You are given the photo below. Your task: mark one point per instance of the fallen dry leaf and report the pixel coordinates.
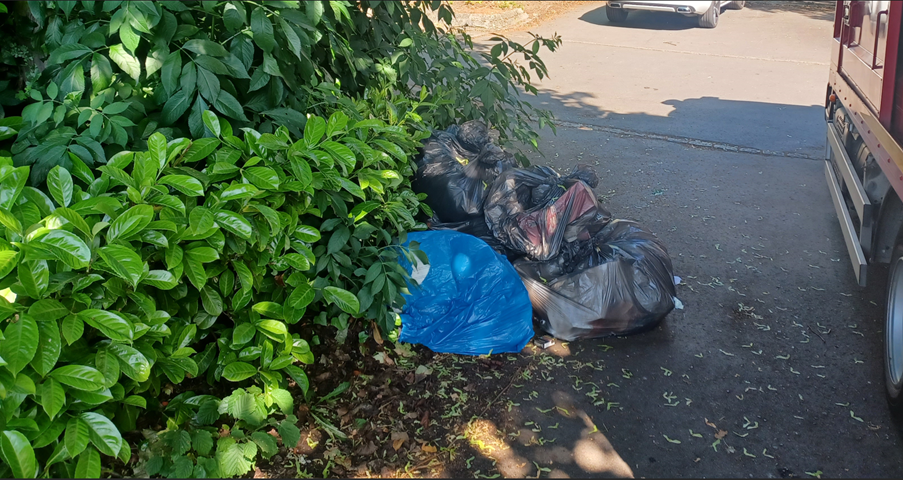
(428, 448)
(707, 422)
(398, 439)
(365, 450)
(721, 434)
(376, 336)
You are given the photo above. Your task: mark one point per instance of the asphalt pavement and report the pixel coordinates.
(713, 138)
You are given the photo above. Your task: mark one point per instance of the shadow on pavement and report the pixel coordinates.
(757, 125)
(645, 20)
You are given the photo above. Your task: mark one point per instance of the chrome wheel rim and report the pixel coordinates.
(894, 330)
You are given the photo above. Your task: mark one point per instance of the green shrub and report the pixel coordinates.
(116, 72)
(191, 259)
(184, 186)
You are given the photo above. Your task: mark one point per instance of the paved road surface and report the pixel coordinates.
(714, 139)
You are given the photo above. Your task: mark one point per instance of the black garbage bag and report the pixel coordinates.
(619, 282)
(534, 211)
(457, 168)
(477, 227)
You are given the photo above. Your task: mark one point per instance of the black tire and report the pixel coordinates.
(709, 19)
(893, 334)
(616, 15)
(737, 5)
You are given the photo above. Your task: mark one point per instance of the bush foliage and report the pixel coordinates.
(183, 185)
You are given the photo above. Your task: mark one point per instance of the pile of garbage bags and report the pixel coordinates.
(586, 274)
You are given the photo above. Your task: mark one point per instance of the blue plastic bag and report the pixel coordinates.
(471, 301)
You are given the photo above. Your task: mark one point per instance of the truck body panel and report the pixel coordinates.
(864, 114)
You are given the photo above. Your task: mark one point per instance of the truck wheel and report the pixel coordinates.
(616, 15)
(736, 5)
(709, 19)
(893, 333)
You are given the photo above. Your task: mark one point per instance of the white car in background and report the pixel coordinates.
(706, 12)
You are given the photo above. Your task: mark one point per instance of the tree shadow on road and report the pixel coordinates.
(743, 124)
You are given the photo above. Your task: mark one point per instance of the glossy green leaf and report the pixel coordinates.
(20, 343)
(229, 106)
(49, 347)
(59, 182)
(212, 122)
(238, 191)
(101, 72)
(211, 301)
(18, 455)
(8, 261)
(79, 377)
(273, 327)
(67, 247)
(75, 219)
(243, 334)
(48, 309)
(268, 309)
(208, 84)
(103, 434)
(124, 261)
(9, 221)
(34, 277)
(187, 185)
(125, 61)
(262, 177)
(238, 371)
(162, 279)
(234, 223)
(110, 324)
(342, 154)
(130, 223)
(132, 362)
(76, 437)
(200, 149)
(175, 107)
(205, 47)
(263, 30)
(53, 397)
(338, 240)
(301, 296)
(299, 376)
(194, 270)
(314, 130)
(73, 329)
(88, 464)
(343, 299)
(169, 73)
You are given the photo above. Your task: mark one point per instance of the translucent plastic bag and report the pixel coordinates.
(534, 211)
(617, 283)
(456, 170)
(471, 301)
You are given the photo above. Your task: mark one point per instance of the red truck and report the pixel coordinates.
(864, 168)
